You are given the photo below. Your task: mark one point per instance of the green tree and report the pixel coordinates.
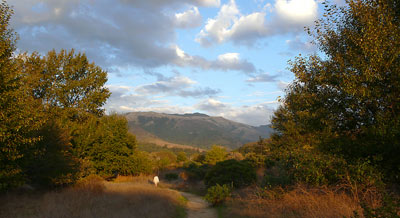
(142, 163)
(215, 154)
(20, 114)
(106, 143)
(67, 83)
(347, 101)
(164, 159)
(50, 162)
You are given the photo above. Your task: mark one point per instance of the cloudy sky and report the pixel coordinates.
(220, 57)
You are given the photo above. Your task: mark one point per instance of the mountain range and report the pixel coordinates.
(192, 130)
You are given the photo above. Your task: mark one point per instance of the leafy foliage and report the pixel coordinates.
(215, 154)
(106, 143)
(390, 207)
(217, 194)
(18, 126)
(51, 162)
(316, 168)
(237, 173)
(196, 171)
(181, 157)
(66, 83)
(142, 163)
(346, 103)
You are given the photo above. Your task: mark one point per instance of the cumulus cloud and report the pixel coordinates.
(255, 115)
(212, 106)
(188, 19)
(224, 62)
(230, 25)
(123, 99)
(116, 33)
(175, 86)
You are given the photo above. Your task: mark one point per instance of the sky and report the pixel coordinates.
(224, 58)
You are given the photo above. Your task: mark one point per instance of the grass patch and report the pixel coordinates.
(295, 203)
(96, 199)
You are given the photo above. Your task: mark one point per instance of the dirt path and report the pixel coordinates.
(198, 208)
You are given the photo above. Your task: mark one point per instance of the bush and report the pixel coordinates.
(238, 173)
(254, 159)
(196, 171)
(317, 168)
(390, 207)
(171, 176)
(217, 194)
(215, 154)
(92, 183)
(142, 163)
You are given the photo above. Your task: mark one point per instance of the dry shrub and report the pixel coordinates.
(92, 183)
(299, 202)
(115, 200)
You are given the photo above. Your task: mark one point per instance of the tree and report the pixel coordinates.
(105, 143)
(66, 83)
(215, 154)
(347, 101)
(18, 124)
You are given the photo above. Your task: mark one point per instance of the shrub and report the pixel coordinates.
(181, 157)
(317, 168)
(390, 207)
(171, 176)
(256, 160)
(238, 173)
(217, 194)
(92, 183)
(142, 163)
(196, 171)
(215, 154)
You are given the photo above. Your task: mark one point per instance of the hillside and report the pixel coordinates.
(198, 130)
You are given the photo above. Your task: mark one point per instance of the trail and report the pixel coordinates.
(198, 208)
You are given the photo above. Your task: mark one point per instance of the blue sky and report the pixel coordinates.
(220, 57)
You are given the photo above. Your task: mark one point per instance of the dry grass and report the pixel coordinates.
(95, 199)
(299, 202)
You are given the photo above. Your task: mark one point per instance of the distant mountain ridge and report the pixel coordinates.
(197, 130)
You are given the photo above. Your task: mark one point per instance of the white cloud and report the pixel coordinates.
(188, 19)
(121, 33)
(212, 106)
(231, 25)
(255, 115)
(229, 57)
(209, 3)
(225, 62)
(169, 85)
(217, 29)
(297, 11)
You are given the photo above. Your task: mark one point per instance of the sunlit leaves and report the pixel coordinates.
(348, 99)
